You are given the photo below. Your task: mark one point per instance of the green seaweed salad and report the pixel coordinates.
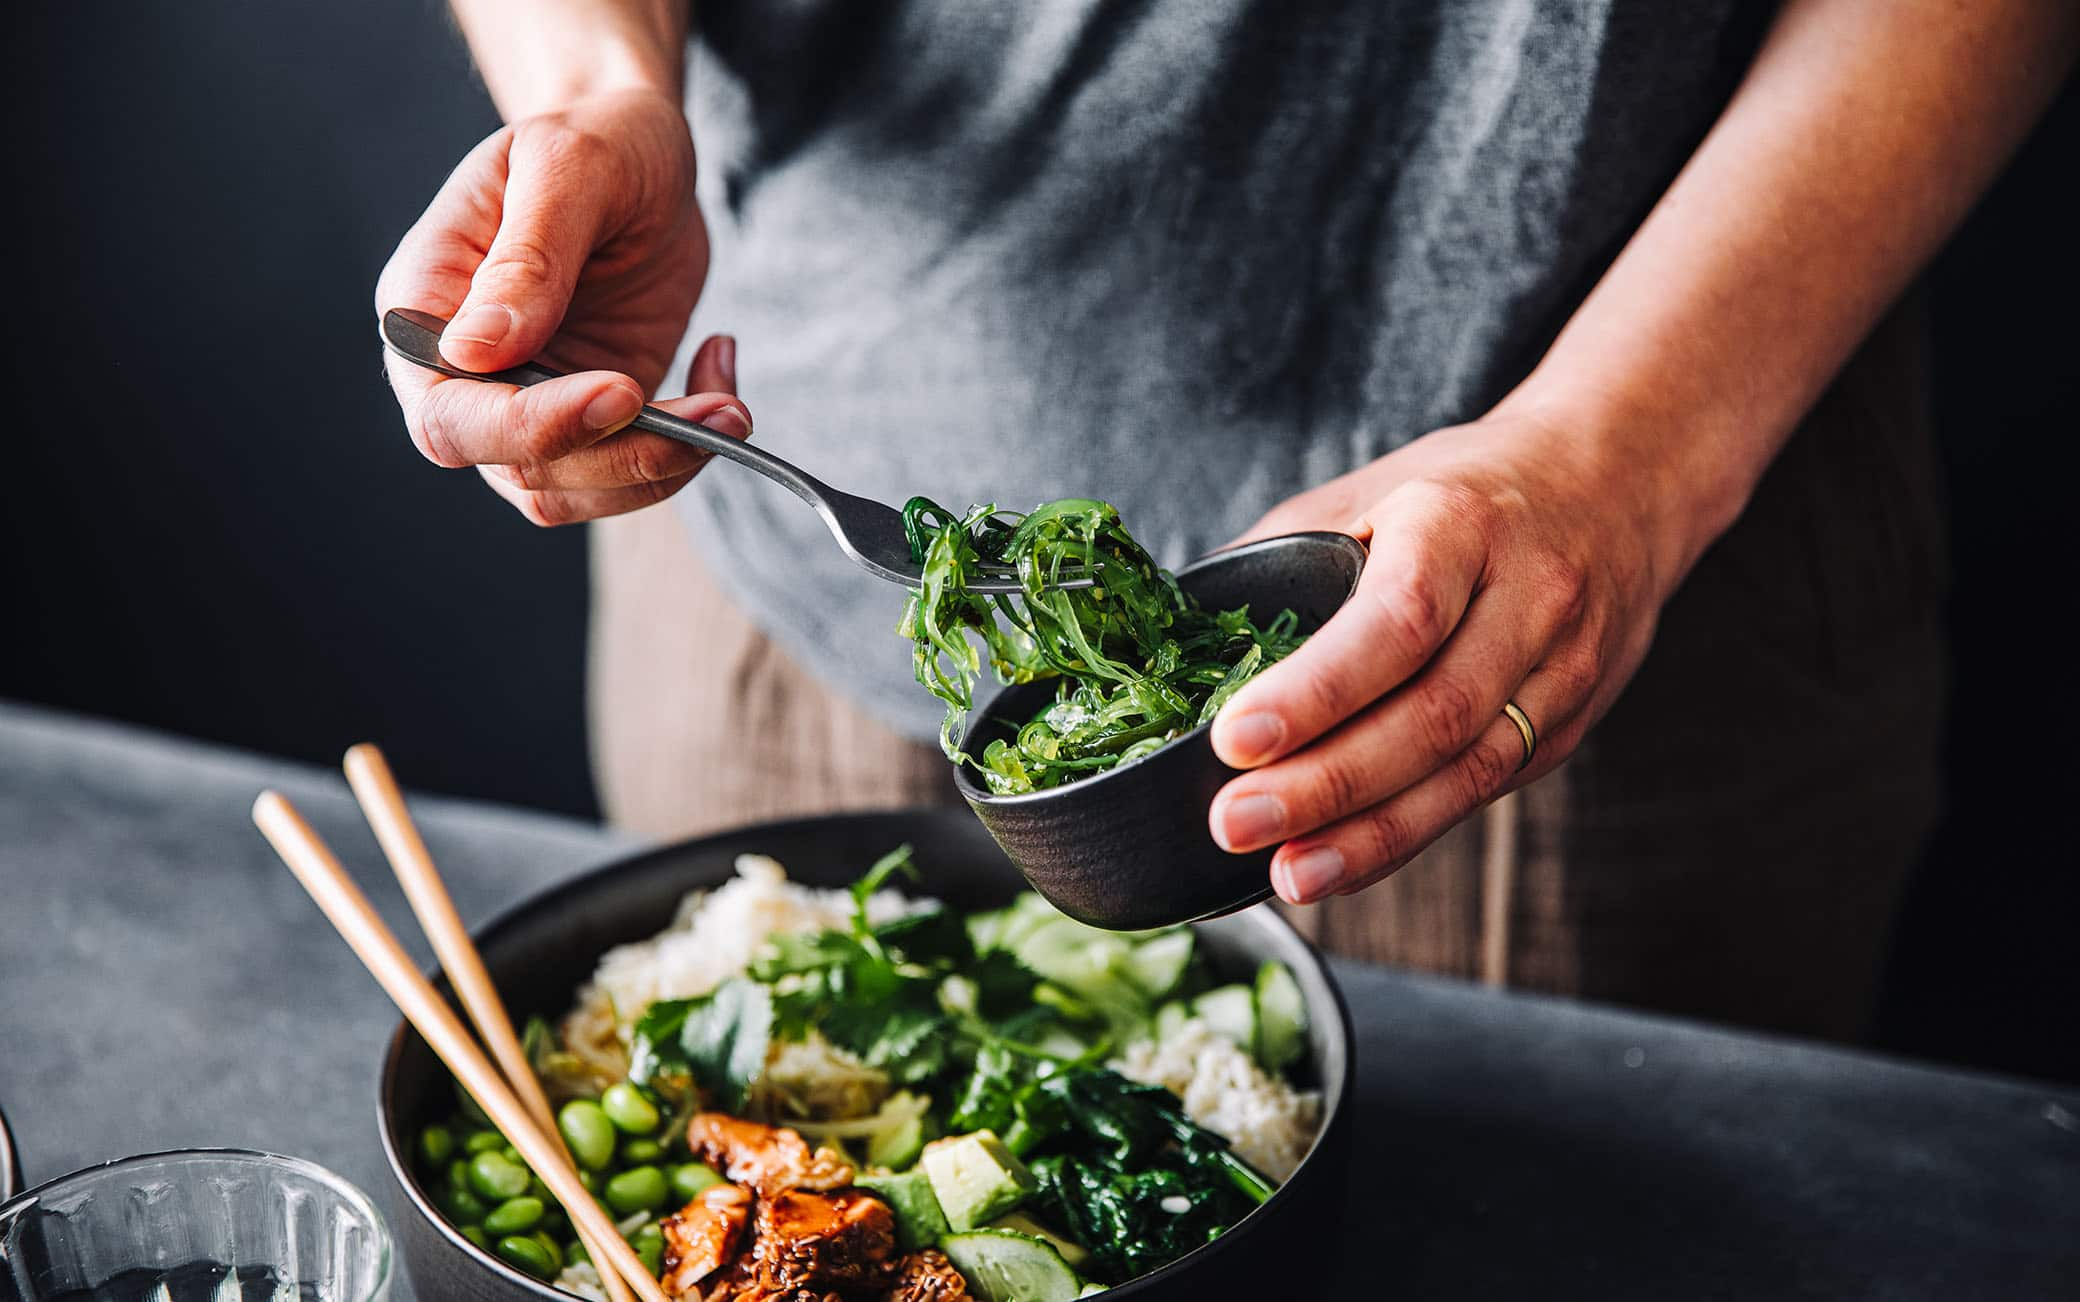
(1140, 662)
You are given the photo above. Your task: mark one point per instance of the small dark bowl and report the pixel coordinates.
(1129, 848)
(540, 952)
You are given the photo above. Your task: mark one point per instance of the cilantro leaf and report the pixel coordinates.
(724, 1039)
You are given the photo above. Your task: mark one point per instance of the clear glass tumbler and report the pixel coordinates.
(211, 1225)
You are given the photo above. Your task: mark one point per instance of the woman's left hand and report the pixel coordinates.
(1513, 559)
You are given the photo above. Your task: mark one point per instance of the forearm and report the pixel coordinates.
(540, 55)
(1861, 136)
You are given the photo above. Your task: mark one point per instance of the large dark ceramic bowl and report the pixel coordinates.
(1129, 848)
(541, 951)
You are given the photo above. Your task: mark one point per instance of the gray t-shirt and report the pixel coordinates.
(1190, 256)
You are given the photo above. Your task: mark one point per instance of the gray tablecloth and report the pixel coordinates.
(164, 983)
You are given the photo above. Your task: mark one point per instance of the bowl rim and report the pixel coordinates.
(1336, 1101)
(975, 793)
(346, 1190)
(11, 1179)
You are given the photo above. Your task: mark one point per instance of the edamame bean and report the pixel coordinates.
(550, 1246)
(574, 1252)
(590, 1179)
(477, 1236)
(436, 1145)
(512, 1154)
(528, 1255)
(464, 1207)
(649, 1245)
(638, 1189)
(458, 1173)
(588, 1131)
(496, 1178)
(690, 1179)
(483, 1141)
(514, 1216)
(641, 1152)
(626, 1107)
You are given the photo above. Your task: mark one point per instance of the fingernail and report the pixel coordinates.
(730, 419)
(1252, 820)
(726, 360)
(614, 406)
(485, 324)
(1314, 873)
(1252, 737)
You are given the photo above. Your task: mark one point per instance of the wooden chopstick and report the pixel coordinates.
(356, 920)
(382, 803)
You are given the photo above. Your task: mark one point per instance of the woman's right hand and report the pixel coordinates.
(572, 237)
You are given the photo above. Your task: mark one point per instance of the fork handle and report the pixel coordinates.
(416, 337)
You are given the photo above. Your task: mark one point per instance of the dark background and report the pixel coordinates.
(214, 524)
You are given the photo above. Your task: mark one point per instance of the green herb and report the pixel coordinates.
(719, 1039)
(1140, 662)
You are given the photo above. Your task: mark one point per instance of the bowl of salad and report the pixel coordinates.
(849, 1058)
(1097, 785)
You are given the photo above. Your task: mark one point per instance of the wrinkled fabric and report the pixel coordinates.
(1190, 256)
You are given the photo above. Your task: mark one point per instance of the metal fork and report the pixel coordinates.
(869, 532)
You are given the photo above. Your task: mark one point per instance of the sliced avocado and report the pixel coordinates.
(919, 1222)
(1020, 1223)
(976, 1178)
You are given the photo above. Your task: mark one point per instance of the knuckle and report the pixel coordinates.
(1446, 714)
(1338, 788)
(1485, 767)
(1414, 611)
(522, 258)
(546, 510)
(1386, 835)
(525, 476)
(433, 432)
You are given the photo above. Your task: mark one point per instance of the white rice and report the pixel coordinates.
(1270, 1124)
(713, 937)
(582, 1278)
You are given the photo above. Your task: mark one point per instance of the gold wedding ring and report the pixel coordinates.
(1515, 714)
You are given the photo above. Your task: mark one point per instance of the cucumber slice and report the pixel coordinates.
(1232, 1012)
(897, 1147)
(1025, 915)
(1158, 965)
(1006, 1266)
(1281, 1017)
(1090, 964)
(986, 930)
(1169, 1017)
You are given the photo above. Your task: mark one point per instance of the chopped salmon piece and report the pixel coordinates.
(702, 1236)
(768, 1158)
(926, 1276)
(808, 1241)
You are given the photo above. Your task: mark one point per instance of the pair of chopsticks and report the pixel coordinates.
(509, 1093)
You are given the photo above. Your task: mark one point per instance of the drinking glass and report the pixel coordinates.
(207, 1225)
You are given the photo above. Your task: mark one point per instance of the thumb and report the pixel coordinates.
(519, 292)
